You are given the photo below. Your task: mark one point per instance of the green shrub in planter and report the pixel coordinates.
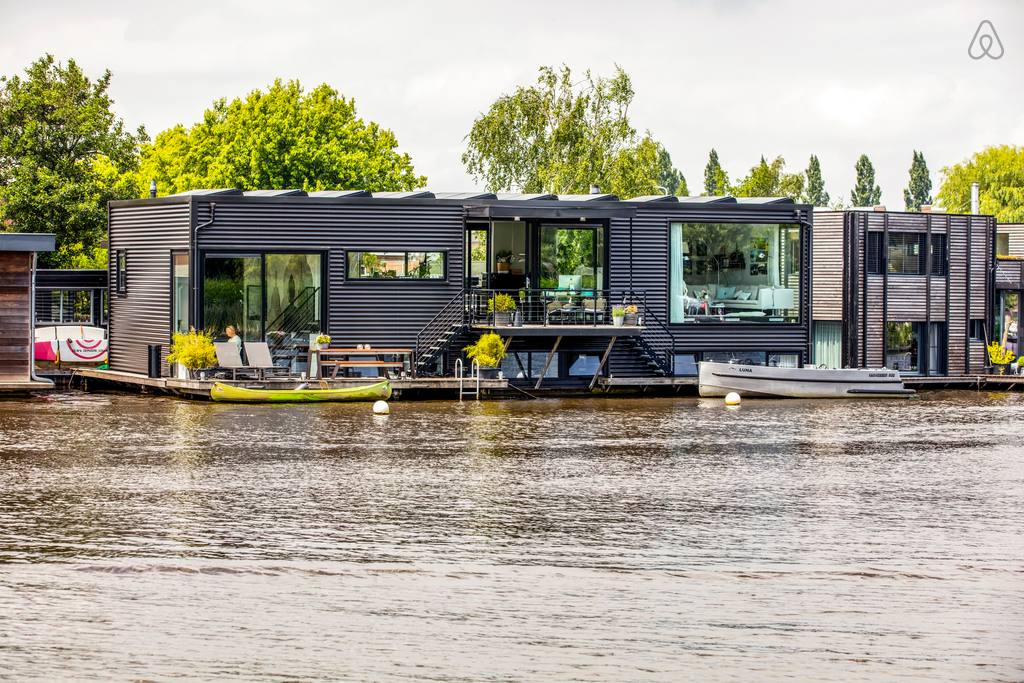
(192, 350)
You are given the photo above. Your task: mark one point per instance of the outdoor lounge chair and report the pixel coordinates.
(229, 357)
(258, 354)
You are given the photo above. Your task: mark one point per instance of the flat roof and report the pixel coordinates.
(27, 241)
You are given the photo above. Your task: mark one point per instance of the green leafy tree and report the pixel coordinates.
(561, 135)
(63, 155)
(815, 194)
(865, 192)
(278, 139)
(716, 182)
(999, 172)
(919, 191)
(770, 180)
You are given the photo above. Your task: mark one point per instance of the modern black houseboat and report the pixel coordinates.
(910, 291)
(695, 278)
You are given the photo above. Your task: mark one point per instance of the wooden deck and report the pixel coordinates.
(444, 387)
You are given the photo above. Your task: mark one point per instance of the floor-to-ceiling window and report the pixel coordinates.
(571, 257)
(272, 297)
(180, 292)
(1007, 321)
(903, 346)
(233, 295)
(734, 272)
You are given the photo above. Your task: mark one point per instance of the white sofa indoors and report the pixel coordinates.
(750, 297)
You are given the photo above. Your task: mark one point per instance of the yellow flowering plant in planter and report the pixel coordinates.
(192, 350)
(488, 351)
(1000, 357)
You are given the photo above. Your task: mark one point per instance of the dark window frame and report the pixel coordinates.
(804, 282)
(443, 252)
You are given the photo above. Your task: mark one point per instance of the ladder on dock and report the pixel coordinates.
(474, 374)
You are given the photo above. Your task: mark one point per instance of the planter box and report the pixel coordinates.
(503, 319)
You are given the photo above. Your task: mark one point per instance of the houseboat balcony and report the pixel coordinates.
(548, 312)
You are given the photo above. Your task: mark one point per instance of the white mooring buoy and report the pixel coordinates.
(381, 408)
(732, 399)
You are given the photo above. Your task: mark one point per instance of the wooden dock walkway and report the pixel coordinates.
(193, 388)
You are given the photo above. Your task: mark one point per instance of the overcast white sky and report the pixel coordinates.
(786, 78)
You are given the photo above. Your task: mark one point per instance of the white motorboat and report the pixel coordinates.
(718, 379)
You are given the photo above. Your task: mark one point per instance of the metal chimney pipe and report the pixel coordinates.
(594, 189)
(152, 188)
(975, 208)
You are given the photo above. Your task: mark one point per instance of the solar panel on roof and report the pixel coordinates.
(275, 193)
(335, 194)
(707, 200)
(654, 198)
(465, 195)
(206, 193)
(587, 198)
(524, 196)
(419, 194)
(764, 200)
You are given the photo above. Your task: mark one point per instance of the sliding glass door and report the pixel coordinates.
(233, 295)
(272, 297)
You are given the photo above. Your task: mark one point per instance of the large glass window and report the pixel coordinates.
(396, 265)
(1007, 322)
(571, 257)
(906, 253)
(734, 272)
(180, 265)
(903, 346)
(63, 306)
(233, 295)
(277, 298)
(1002, 244)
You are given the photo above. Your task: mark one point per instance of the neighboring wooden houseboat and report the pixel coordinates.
(697, 278)
(17, 265)
(908, 291)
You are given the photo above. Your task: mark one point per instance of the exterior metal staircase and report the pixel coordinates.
(436, 337)
(656, 345)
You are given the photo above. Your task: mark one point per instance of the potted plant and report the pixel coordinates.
(322, 341)
(488, 351)
(193, 351)
(630, 311)
(504, 260)
(618, 315)
(1000, 357)
(501, 306)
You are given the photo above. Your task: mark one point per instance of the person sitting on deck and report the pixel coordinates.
(232, 335)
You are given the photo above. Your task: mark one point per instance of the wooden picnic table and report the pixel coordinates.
(323, 358)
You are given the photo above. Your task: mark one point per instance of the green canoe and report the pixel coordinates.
(366, 392)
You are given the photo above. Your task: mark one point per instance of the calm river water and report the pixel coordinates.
(145, 538)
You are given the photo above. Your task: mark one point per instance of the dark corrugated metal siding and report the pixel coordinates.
(639, 259)
(376, 312)
(148, 232)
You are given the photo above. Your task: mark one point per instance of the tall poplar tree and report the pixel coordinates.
(815, 193)
(716, 182)
(920, 188)
(865, 192)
